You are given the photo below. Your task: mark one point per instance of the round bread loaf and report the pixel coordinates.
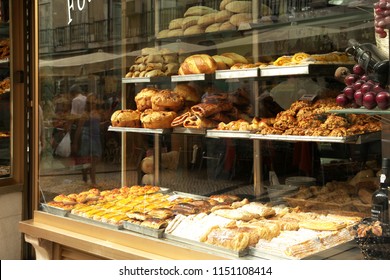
(175, 32)
(163, 33)
(126, 118)
(157, 119)
(198, 64)
(167, 100)
(143, 98)
(187, 92)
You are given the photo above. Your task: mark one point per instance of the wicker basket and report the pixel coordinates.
(375, 247)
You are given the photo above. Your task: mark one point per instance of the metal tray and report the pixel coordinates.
(324, 254)
(55, 210)
(228, 134)
(183, 194)
(136, 80)
(236, 74)
(206, 246)
(192, 77)
(157, 233)
(93, 222)
(185, 130)
(140, 130)
(353, 139)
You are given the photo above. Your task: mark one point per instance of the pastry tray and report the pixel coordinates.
(54, 210)
(206, 246)
(93, 222)
(321, 255)
(157, 233)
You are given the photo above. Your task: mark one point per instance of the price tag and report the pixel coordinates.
(308, 97)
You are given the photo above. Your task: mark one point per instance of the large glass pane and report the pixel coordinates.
(5, 92)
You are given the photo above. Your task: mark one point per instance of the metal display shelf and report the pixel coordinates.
(305, 69)
(214, 133)
(140, 130)
(239, 73)
(361, 110)
(186, 130)
(353, 139)
(192, 77)
(139, 80)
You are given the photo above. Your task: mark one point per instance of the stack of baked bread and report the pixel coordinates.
(203, 19)
(154, 62)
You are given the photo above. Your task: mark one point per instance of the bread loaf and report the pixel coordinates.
(213, 27)
(238, 19)
(198, 11)
(175, 23)
(223, 16)
(189, 21)
(223, 4)
(237, 58)
(206, 20)
(223, 62)
(163, 33)
(175, 33)
(126, 118)
(227, 26)
(198, 64)
(193, 30)
(239, 7)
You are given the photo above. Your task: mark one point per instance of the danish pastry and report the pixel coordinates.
(157, 119)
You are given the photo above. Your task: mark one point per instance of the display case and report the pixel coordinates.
(192, 114)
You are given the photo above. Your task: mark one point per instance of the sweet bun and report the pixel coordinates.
(126, 118)
(198, 11)
(157, 119)
(187, 92)
(167, 100)
(143, 98)
(237, 58)
(198, 64)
